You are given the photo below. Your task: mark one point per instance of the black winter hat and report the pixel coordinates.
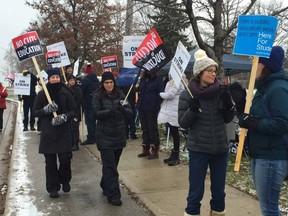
(53, 71)
(107, 76)
(69, 77)
(275, 61)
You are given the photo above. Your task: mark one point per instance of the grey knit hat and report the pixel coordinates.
(202, 61)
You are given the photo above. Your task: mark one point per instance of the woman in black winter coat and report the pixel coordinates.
(110, 133)
(205, 116)
(56, 135)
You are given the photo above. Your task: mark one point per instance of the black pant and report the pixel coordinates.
(28, 106)
(110, 176)
(149, 126)
(54, 175)
(75, 132)
(130, 124)
(176, 138)
(1, 118)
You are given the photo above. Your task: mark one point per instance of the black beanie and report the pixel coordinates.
(275, 61)
(53, 71)
(69, 77)
(107, 76)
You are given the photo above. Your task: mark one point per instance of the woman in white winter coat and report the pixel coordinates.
(169, 114)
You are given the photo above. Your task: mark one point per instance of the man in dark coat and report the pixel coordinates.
(89, 84)
(28, 101)
(148, 106)
(56, 134)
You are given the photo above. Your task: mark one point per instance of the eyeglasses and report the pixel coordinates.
(211, 71)
(108, 82)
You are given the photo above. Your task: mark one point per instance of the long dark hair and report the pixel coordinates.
(101, 92)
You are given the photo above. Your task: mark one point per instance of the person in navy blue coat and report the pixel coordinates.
(148, 107)
(89, 84)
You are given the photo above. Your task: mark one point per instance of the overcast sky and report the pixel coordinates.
(14, 19)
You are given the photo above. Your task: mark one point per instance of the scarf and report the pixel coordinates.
(199, 91)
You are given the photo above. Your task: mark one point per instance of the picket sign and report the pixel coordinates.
(64, 75)
(43, 83)
(183, 81)
(246, 110)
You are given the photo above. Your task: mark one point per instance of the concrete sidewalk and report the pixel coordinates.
(162, 189)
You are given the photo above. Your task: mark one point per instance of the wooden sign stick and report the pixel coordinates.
(246, 110)
(43, 83)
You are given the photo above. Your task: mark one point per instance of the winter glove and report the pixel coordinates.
(226, 97)
(49, 108)
(247, 121)
(238, 94)
(58, 120)
(194, 105)
(20, 98)
(124, 102)
(121, 108)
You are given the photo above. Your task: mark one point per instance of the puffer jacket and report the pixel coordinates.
(266, 140)
(169, 106)
(110, 130)
(206, 129)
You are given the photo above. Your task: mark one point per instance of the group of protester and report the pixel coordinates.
(203, 108)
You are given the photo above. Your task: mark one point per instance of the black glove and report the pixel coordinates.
(121, 108)
(226, 96)
(49, 108)
(194, 105)
(238, 94)
(247, 121)
(58, 120)
(20, 98)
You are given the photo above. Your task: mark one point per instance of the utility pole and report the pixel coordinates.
(129, 17)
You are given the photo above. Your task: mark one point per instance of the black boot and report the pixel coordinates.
(175, 159)
(153, 152)
(167, 160)
(145, 151)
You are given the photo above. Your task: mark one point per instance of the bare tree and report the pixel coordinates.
(88, 28)
(214, 22)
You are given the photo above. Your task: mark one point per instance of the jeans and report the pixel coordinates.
(268, 177)
(198, 164)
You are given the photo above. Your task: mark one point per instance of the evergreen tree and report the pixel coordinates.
(171, 25)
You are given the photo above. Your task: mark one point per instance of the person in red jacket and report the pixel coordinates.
(3, 95)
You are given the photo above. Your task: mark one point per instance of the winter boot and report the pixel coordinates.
(175, 159)
(216, 213)
(145, 151)
(153, 152)
(167, 160)
(186, 214)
